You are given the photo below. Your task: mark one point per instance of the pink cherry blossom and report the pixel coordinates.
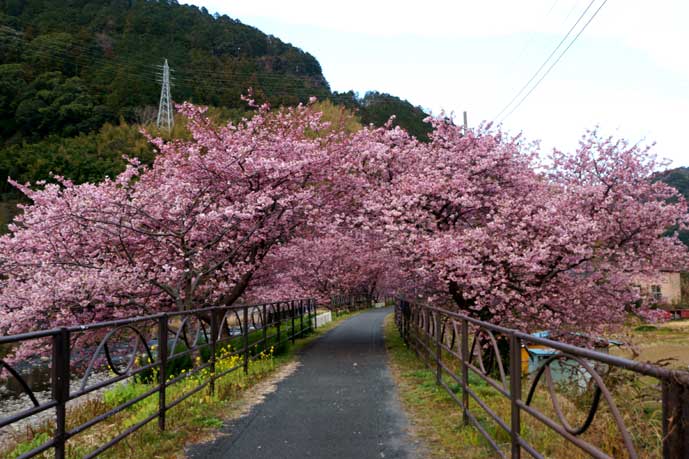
(283, 205)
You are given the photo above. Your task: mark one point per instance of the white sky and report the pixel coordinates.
(627, 73)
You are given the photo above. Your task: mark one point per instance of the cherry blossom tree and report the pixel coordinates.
(513, 240)
(191, 230)
(286, 205)
(327, 266)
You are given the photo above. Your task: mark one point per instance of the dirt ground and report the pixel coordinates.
(667, 342)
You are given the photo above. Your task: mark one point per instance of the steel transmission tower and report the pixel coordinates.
(165, 118)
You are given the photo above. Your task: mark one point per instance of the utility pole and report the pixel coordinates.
(165, 118)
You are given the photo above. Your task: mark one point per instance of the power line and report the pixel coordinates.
(92, 56)
(533, 77)
(274, 84)
(557, 60)
(529, 39)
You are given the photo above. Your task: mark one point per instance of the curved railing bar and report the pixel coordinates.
(472, 352)
(430, 325)
(544, 368)
(141, 339)
(227, 325)
(15, 374)
(201, 331)
(240, 322)
(270, 312)
(103, 346)
(496, 355)
(601, 389)
(257, 311)
(223, 322)
(265, 313)
(455, 333)
(278, 311)
(111, 364)
(453, 336)
(180, 332)
(443, 326)
(556, 406)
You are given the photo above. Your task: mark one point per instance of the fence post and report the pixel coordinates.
(425, 347)
(301, 318)
(60, 388)
(515, 393)
(213, 344)
(279, 316)
(438, 349)
(162, 370)
(246, 339)
(405, 312)
(404, 321)
(465, 371)
(264, 321)
(312, 305)
(291, 309)
(675, 419)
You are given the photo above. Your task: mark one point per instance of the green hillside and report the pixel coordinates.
(376, 108)
(679, 179)
(78, 79)
(69, 66)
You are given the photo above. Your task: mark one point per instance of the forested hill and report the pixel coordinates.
(679, 179)
(78, 78)
(68, 66)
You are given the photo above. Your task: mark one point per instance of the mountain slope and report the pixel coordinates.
(679, 179)
(79, 77)
(99, 59)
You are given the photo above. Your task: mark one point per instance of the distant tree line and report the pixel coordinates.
(679, 179)
(376, 108)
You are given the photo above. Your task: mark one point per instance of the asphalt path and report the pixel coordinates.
(340, 403)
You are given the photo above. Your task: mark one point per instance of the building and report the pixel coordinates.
(665, 289)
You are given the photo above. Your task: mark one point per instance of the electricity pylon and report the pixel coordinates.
(165, 117)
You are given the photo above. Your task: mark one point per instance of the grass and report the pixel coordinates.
(437, 419)
(666, 343)
(196, 419)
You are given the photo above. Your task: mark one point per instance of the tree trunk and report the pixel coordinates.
(229, 298)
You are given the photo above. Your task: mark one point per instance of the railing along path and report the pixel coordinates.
(447, 339)
(131, 347)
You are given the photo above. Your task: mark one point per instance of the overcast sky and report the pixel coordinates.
(627, 73)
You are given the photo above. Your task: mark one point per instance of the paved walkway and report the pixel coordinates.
(340, 403)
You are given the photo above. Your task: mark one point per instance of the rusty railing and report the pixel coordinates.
(347, 303)
(129, 348)
(457, 346)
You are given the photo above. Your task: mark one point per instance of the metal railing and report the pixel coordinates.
(456, 345)
(187, 334)
(351, 303)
